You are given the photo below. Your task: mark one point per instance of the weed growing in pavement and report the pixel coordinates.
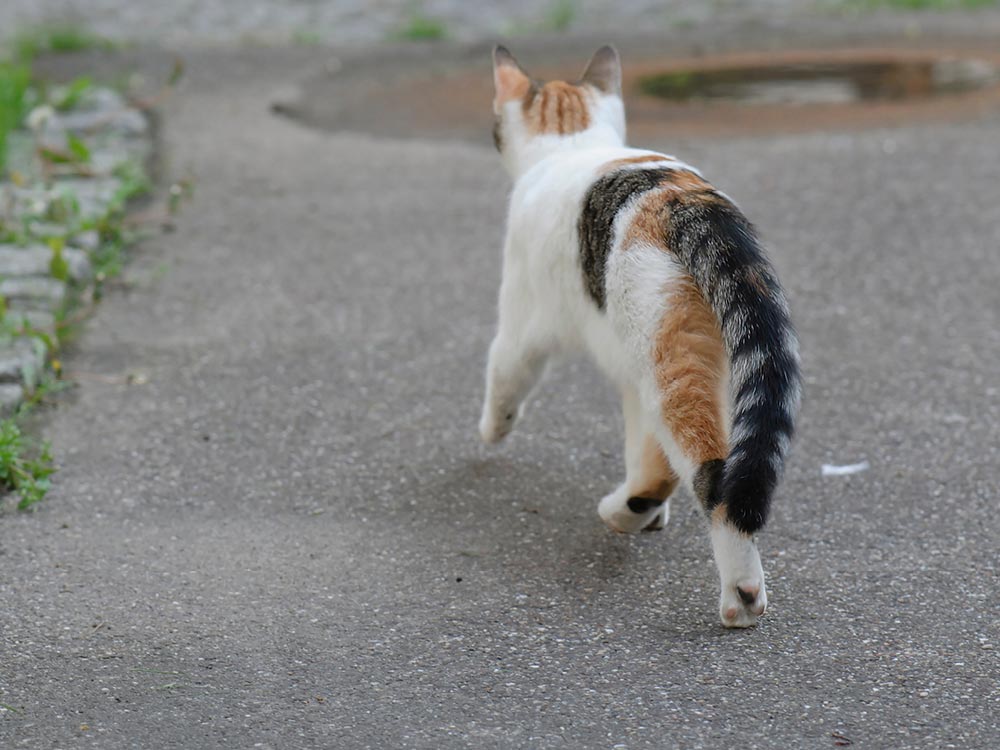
(14, 80)
(422, 28)
(55, 215)
(63, 37)
(25, 467)
(560, 15)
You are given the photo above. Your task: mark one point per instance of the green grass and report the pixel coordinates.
(64, 98)
(25, 463)
(14, 80)
(25, 468)
(307, 37)
(560, 16)
(422, 28)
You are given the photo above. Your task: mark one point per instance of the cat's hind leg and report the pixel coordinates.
(690, 405)
(642, 501)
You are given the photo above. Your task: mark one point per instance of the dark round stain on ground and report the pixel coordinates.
(823, 82)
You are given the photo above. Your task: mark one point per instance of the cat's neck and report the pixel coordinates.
(532, 153)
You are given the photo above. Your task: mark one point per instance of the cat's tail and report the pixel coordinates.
(719, 248)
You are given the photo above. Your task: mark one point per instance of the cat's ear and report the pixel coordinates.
(604, 71)
(509, 79)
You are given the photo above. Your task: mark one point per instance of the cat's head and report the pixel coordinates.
(534, 119)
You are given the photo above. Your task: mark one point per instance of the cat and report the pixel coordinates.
(633, 256)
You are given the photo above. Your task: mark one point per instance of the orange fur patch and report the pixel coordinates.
(688, 353)
(687, 182)
(510, 83)
(720, 514)
(650, 218)
(756, 280)
(654, 208)
(690, 364)
(611, 166)
(558, 108)
(656, 478)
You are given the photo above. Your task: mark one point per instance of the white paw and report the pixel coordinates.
(743, 598)
(742, 603)
(622, 516)
(495, 427)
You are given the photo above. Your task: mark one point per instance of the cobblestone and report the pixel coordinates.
(365, 21)
(22, 361)
(36, 260)
(33, 290)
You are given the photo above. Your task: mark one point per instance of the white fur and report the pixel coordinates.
(739, 566)
(545, 308)
(614, 511)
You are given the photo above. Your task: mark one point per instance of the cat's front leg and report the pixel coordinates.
(514, 368)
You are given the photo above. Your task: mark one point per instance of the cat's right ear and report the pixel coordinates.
(509, 79)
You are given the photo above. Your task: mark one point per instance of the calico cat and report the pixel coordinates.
(635, 257)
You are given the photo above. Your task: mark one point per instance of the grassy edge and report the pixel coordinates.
(25, 462)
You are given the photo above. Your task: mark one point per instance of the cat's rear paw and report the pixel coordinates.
(660, 519)
(631, 514)
(741, 604)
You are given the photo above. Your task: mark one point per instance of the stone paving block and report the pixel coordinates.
(126, 121)
(34, 291)
(21, 361)
(92, 195)
(11, 394)
(36, 260)
(89, 240)
(38, 320)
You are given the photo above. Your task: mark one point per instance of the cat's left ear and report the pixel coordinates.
(510, 81)
(604, 71)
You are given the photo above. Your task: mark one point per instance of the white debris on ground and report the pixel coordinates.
(841, 470)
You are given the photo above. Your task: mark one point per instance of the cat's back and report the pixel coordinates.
(574, 171)
(558, 184)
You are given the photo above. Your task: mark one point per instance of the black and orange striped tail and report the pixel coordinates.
(719, 248)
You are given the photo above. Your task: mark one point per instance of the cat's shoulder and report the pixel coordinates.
(597, 162)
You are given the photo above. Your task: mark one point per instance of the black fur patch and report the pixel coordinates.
(601, 205)
(706, 483)
(498, 134)
(640, 505)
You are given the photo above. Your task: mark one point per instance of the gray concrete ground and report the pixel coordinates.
(289, 537)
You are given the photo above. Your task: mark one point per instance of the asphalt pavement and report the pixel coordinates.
(285, 533)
